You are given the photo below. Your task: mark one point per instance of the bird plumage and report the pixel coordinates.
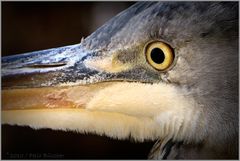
(192, 107)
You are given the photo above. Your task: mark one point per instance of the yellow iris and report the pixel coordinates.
(159, 55)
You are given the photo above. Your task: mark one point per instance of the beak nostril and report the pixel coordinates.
(46, 65)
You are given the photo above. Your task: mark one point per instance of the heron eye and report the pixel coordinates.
(159, 55)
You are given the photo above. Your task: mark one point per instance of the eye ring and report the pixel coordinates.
(159, 55)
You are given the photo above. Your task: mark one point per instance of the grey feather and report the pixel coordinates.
(204, 36)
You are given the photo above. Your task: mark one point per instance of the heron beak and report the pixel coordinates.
(77, 87)
(53, 78)
(46, 68)
(54, 88)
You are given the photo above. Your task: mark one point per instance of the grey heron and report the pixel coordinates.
(159, 70)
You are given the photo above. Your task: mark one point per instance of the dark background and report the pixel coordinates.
(30, 26)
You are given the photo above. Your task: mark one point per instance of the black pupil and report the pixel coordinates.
(157, 55)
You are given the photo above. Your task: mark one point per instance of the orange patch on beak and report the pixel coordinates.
(49, 97)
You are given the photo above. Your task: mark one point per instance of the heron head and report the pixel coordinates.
(157, 70)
